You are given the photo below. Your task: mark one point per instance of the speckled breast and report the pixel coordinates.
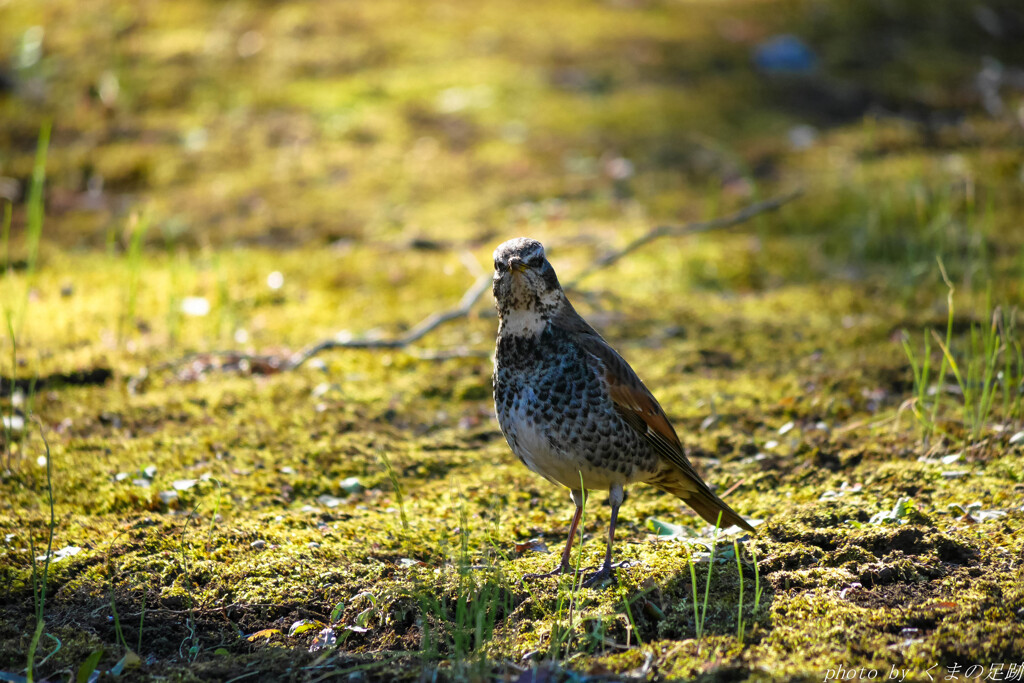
(555, 412)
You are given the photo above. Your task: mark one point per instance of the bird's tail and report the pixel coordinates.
(709, 506)
(704, 502)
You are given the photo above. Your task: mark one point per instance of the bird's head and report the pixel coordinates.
(524, 280)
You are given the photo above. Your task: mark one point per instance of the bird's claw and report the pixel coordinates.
(592, 576)
(599, 577)
(604, 575)
(557, 571)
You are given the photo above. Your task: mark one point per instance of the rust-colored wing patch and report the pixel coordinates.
(639, 407)
(641, 411)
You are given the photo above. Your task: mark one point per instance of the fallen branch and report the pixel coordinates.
(660, 231)
(473, 294)
(427, 325)
(232, 360)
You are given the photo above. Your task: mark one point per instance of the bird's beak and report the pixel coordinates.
(515, 265)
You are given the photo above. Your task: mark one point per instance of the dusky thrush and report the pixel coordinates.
(573, 410)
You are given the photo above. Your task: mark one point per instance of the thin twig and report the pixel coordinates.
(476, 291)
(660, 231)
(427, 325)
(732, 488)
(473, 294)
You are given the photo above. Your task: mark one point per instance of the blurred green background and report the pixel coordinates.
(296, 123)
(284, 126)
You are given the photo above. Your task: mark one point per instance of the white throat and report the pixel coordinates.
(529, 321)
(523, 322)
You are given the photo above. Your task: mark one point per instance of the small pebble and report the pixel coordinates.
(351, 485)
(258, 545)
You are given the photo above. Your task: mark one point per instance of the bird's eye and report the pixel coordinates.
(497, 266)
(536, 261)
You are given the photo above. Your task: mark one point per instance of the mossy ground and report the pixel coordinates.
(372, 153)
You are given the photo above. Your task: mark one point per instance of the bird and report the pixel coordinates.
(573, 410)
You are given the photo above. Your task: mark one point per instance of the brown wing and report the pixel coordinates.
(641, 411)
(636, 405)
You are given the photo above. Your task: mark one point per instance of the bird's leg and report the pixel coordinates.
(616, 496)
(564, 566)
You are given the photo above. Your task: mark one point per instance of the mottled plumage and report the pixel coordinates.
(571, 408)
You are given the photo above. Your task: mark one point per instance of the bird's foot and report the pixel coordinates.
(600, 578)
(605, 576)
(563, 568)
